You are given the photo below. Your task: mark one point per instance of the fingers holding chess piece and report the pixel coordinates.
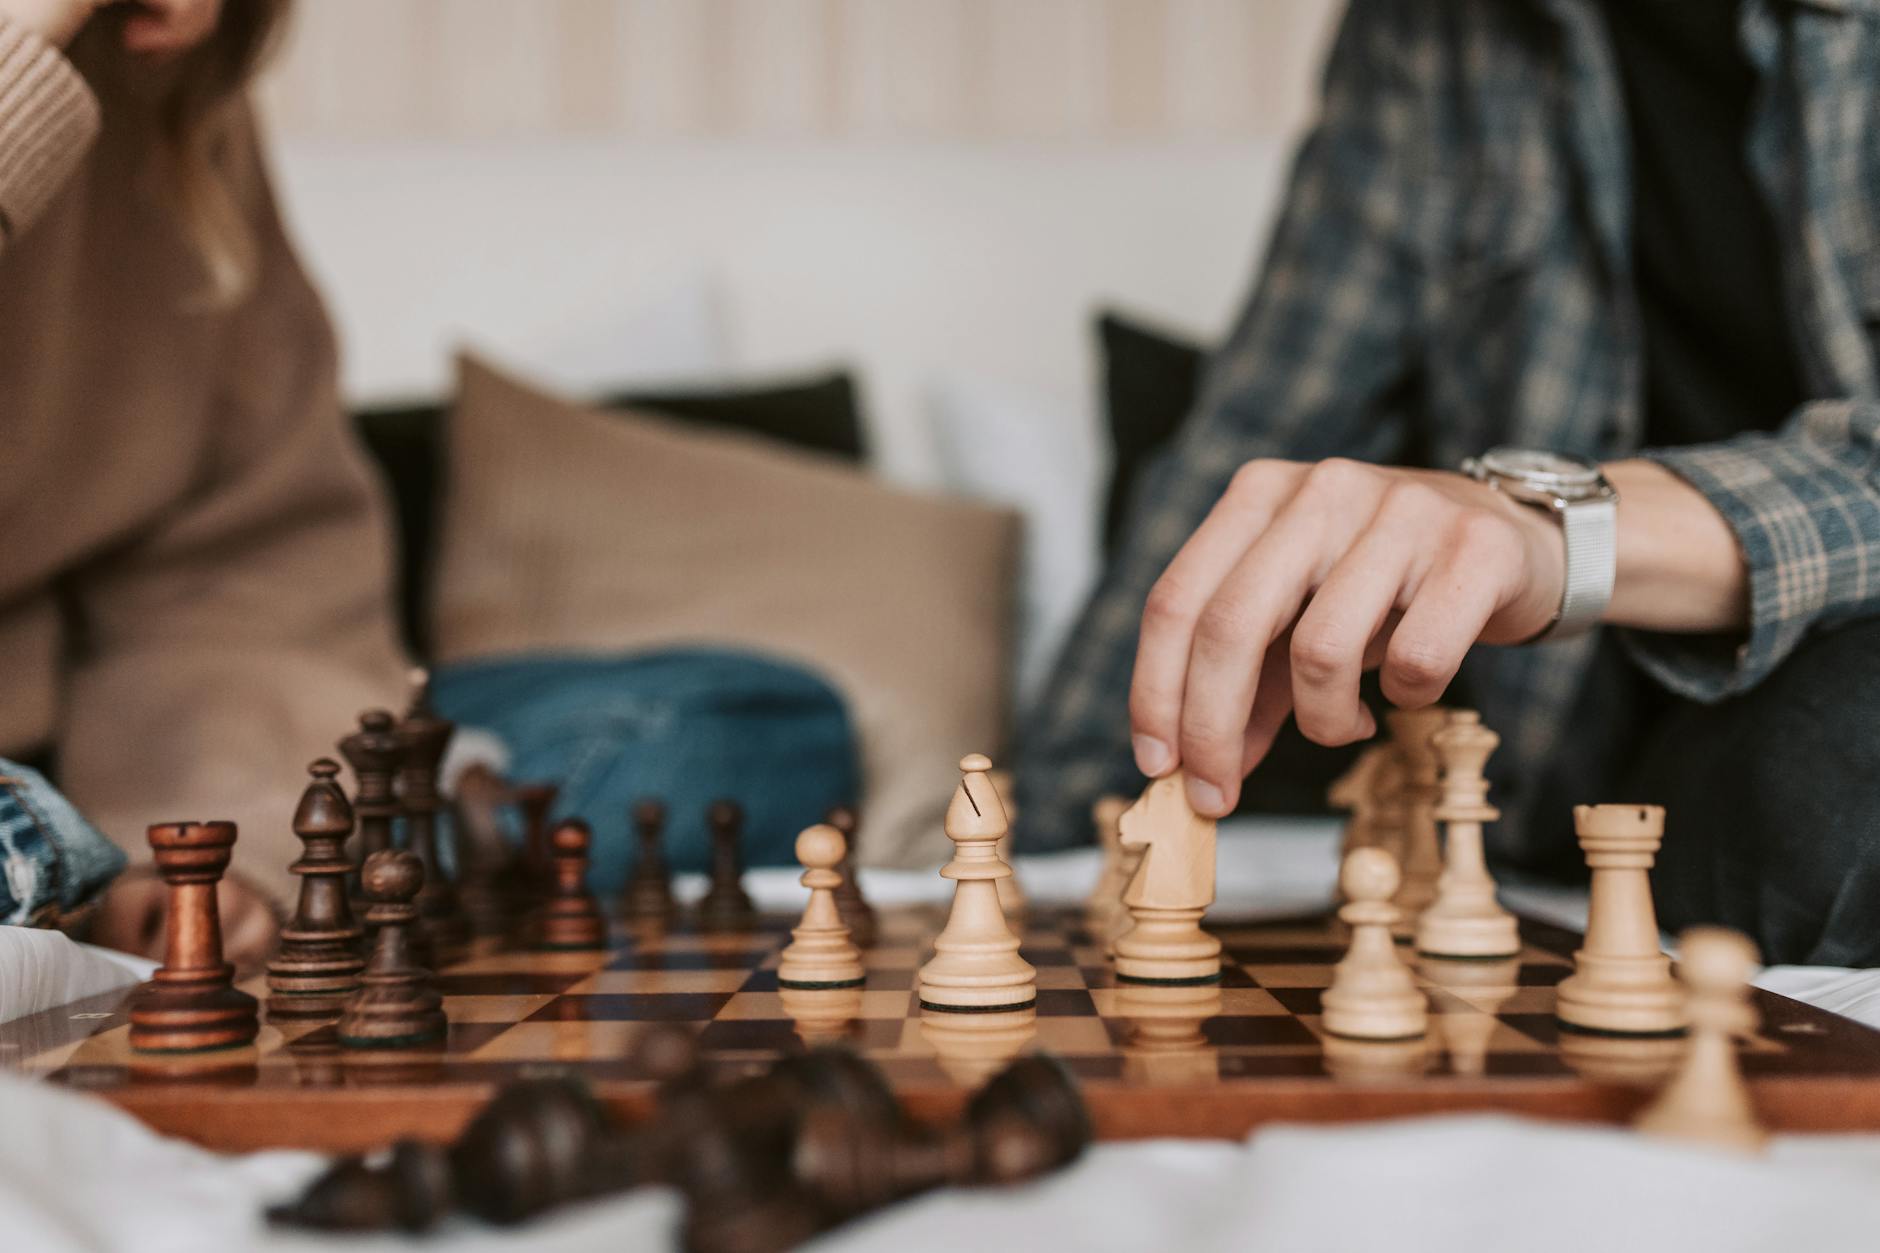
(191, 1003)
(316, 969)
(1373, 994)
(1172, 889)
(572, 918)
(821, 955)
(1706, 1101)
(397, 1005)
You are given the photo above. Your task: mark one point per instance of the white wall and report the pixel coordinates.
(913, 262)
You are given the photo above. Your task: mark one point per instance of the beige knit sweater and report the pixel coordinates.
(194, 586)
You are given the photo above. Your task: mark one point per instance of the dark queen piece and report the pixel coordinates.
(317, 965)
(191, 1003)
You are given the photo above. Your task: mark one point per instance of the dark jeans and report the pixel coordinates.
(1773, 805)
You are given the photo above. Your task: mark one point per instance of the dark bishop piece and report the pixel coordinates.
(572, 918)
(396, 1005)
(857, 914)
(191, 1002)
(372, 751)
(316, 969)
(648, 894)
(726, 905)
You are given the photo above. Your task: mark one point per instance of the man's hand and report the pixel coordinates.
(1304, 576)
(132, 914)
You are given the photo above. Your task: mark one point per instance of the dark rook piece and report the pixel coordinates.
(372, 751)
(191, 1003)
(534, 801)
(857, 914)
(648, 893)
(423, 737)
(396, 1005)
(726, 906)
(317, 965)
(572, 918)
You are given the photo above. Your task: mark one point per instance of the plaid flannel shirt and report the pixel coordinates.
(1451, 271)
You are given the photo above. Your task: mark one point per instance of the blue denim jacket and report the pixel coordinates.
(53, 863)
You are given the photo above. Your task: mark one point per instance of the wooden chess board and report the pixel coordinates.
(1212, 1061)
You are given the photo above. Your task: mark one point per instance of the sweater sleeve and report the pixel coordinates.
(48, 118)
(236, 639)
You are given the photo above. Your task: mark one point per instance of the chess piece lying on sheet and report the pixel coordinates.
(1171, 889)
(1706, 1100)
(763, 1162)
(1621, 981)
(316, 969)
(820, 955)
(1465, 919)
(976, 967)
(191, 1003)
(1373, 995)
(397, 1005)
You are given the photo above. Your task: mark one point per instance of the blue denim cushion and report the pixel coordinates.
(685, 726)
(55, 863)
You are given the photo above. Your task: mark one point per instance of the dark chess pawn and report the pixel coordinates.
(372, 751)
(397, 1005)
(423, 738)
(857, 914)
(572, 919)
(726, 906)
(191, 1003)
(648, 894)
(317, 965)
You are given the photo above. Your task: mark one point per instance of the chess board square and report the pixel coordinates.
(647, 981)
(1068, 1037)
(626, 1007)
(1298, 1000)
(1046, 955)
(529, 962)
(1287, 954)
(1059, 1002)
(1261, 1031)
(1544, 1028)
(1060, 977)
(463, 1009)
(1271, 1065)
(738, 959)
(1289, 975)
(506, 982)
(1543, 976)
(562, 1041)
(751, 1035)
(893, 957)
(1094, 1067)
(1529, 1000)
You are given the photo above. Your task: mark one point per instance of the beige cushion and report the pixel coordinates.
(570, 529)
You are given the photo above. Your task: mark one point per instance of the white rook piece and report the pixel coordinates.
(1706, 1101)
(1373, 995)
(976, 967)
(1465, 920)
(1421, 859)
(1621, 981)
(1171, 889)
(821, 954)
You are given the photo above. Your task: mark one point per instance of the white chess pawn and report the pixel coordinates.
(1707, 1100)
(821, 955)
(1465, 919)
(1373, 995)
(1621, 981)
(976, 967)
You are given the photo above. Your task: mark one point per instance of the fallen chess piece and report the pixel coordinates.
(764, 1162)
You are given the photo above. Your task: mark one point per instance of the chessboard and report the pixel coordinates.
(1211, 1061)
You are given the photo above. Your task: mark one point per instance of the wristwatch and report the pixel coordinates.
(1572, 490)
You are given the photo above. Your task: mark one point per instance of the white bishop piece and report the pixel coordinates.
(976, 967)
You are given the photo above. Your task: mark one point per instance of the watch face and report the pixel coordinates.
(1542, 469)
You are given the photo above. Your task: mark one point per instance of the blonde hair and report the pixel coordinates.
(199, 121)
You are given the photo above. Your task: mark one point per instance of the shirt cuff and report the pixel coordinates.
(1794, 530)
(48, 117)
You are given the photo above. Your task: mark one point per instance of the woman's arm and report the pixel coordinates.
(48, 115)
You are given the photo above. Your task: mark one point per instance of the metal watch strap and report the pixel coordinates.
(1591, 530)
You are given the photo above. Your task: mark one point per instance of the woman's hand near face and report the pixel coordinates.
(156, 27)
